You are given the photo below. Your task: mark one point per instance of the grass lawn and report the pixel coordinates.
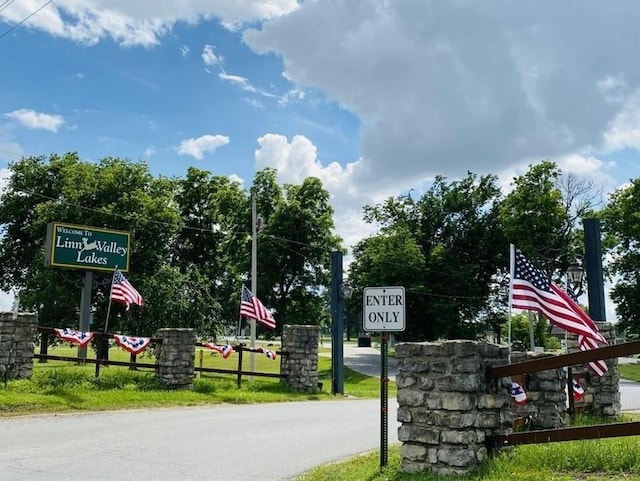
(60, 386)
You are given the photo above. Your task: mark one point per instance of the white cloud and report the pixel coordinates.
(446, 87)
(149, 151)
(624, 129)
(236, 178)
(298, 159)
(135, 22)
(197, 147)
(184, 50)
(36, 120)
(244, 83)
(209, 56)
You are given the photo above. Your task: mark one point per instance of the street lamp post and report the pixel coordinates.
(575, 276)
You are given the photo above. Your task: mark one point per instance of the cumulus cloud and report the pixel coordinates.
(36, 120)
(137, 23)
(197, 147)
(624, 129)
(298, 159)
(446, 87)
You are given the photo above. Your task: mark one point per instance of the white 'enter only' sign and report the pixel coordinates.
(383, 309)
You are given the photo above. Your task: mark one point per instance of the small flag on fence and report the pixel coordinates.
(578, 391)
(225, 351)
(78, 338)
(122, 291)
(251, 307)
(518, 394)
(134, 345)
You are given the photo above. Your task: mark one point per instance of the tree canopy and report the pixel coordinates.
(190, 242)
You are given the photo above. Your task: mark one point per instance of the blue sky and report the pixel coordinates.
(375, 98)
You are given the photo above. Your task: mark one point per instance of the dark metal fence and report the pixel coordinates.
(570, 433)
(101, 358)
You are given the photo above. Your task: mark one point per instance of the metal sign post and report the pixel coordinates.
(383, 311)
(384, 401)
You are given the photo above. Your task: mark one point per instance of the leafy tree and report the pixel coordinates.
(520, 335)
(294, 244)
(539, 219)
(447, 246)
(210, 250)
(621, 226)
(391, 259)
(113, 193)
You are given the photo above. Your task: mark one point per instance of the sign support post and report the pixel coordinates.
(384, 401)
(85, 309)
(383, 311)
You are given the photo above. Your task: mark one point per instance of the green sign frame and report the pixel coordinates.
(82, 247)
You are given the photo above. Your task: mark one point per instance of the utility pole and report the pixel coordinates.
(254, 270)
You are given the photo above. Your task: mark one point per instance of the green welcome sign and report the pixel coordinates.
(82, 247)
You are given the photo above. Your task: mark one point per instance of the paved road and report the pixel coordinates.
(231, 443)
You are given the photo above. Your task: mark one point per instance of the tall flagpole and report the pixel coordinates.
(512, 269)
(106, 322)
(254, 269)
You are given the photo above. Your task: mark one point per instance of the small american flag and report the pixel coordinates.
(578, 391)
(122, 291)
(518, 394)
(251, 307)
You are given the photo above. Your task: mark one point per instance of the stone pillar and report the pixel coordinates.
(299, 362)
(16, 345)
(546, 393)
(602, 394)
(447, 406)
(175, 357)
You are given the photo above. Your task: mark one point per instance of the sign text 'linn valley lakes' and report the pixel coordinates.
(83, 247)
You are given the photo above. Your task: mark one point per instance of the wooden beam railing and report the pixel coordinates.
(554, 362)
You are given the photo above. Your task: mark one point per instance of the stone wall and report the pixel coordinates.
(602, 394)
(446, 405)
(299, 362)
(16, 345)
(546, 405)
(175, 357)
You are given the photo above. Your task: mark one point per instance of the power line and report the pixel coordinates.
(24, 19)
(4, 5)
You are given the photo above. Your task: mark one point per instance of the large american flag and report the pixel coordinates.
(122, 291)
(251, 307)
(532, 290)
